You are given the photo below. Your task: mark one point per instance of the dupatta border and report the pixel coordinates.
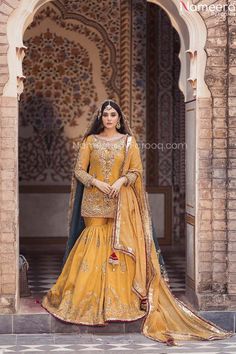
(146, 222)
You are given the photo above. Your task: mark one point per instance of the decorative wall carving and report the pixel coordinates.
(63, 85)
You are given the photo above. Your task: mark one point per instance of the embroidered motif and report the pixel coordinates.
(95, 203)
(82, 163)
(106, 152)
(104, 267)
(116, 308)
(106, 159)
(83, 176)
(84, 266)
(89, 310)
(131, 176)
(123, 266)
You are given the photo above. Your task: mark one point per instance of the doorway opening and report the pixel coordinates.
(165, 135)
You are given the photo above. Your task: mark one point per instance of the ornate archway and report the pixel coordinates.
(192, 32)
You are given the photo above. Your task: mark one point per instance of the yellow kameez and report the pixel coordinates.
(90, 290)
(105, 160)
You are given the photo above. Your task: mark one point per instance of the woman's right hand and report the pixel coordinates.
(103, 186)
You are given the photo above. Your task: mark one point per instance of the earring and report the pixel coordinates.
(118, 125)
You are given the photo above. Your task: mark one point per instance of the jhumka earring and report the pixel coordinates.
(118, 125)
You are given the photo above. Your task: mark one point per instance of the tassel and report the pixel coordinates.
(143, 305)
(113, 259)
(171, 342)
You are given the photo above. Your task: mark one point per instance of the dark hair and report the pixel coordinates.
(98, 127)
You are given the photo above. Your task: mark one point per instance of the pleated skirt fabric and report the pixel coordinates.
(90, 290)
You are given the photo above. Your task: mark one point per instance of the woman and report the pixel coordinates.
(112, 270)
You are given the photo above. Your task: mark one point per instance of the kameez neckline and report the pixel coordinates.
(109, 141)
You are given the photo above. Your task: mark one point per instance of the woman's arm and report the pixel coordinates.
(135, 167)
(82, 164)
(130, 178)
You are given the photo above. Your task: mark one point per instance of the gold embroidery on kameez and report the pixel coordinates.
(103, 156)
(95, 202)
(80, 172)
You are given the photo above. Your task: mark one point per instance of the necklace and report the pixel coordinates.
(99, 138)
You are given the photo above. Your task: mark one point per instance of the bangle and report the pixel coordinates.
(127, 180)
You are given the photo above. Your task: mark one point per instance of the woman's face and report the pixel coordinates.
(110, 118)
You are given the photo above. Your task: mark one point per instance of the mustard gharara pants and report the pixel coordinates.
(89, 289)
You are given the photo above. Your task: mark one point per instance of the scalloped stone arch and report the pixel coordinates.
(193, 33)
(189, 25)
(20, 19)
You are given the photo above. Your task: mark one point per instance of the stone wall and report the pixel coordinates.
(231, 155)
(216, 202)
(8, 203)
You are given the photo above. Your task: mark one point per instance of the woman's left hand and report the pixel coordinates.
(116, 186)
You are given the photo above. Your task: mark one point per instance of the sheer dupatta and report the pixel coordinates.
(167, 318)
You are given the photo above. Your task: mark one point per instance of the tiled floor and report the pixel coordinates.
(45, 268)
(89, 343)
(43, 271)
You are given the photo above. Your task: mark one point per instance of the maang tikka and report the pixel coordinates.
(109, 105)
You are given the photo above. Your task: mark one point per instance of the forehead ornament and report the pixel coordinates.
(108, 107)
